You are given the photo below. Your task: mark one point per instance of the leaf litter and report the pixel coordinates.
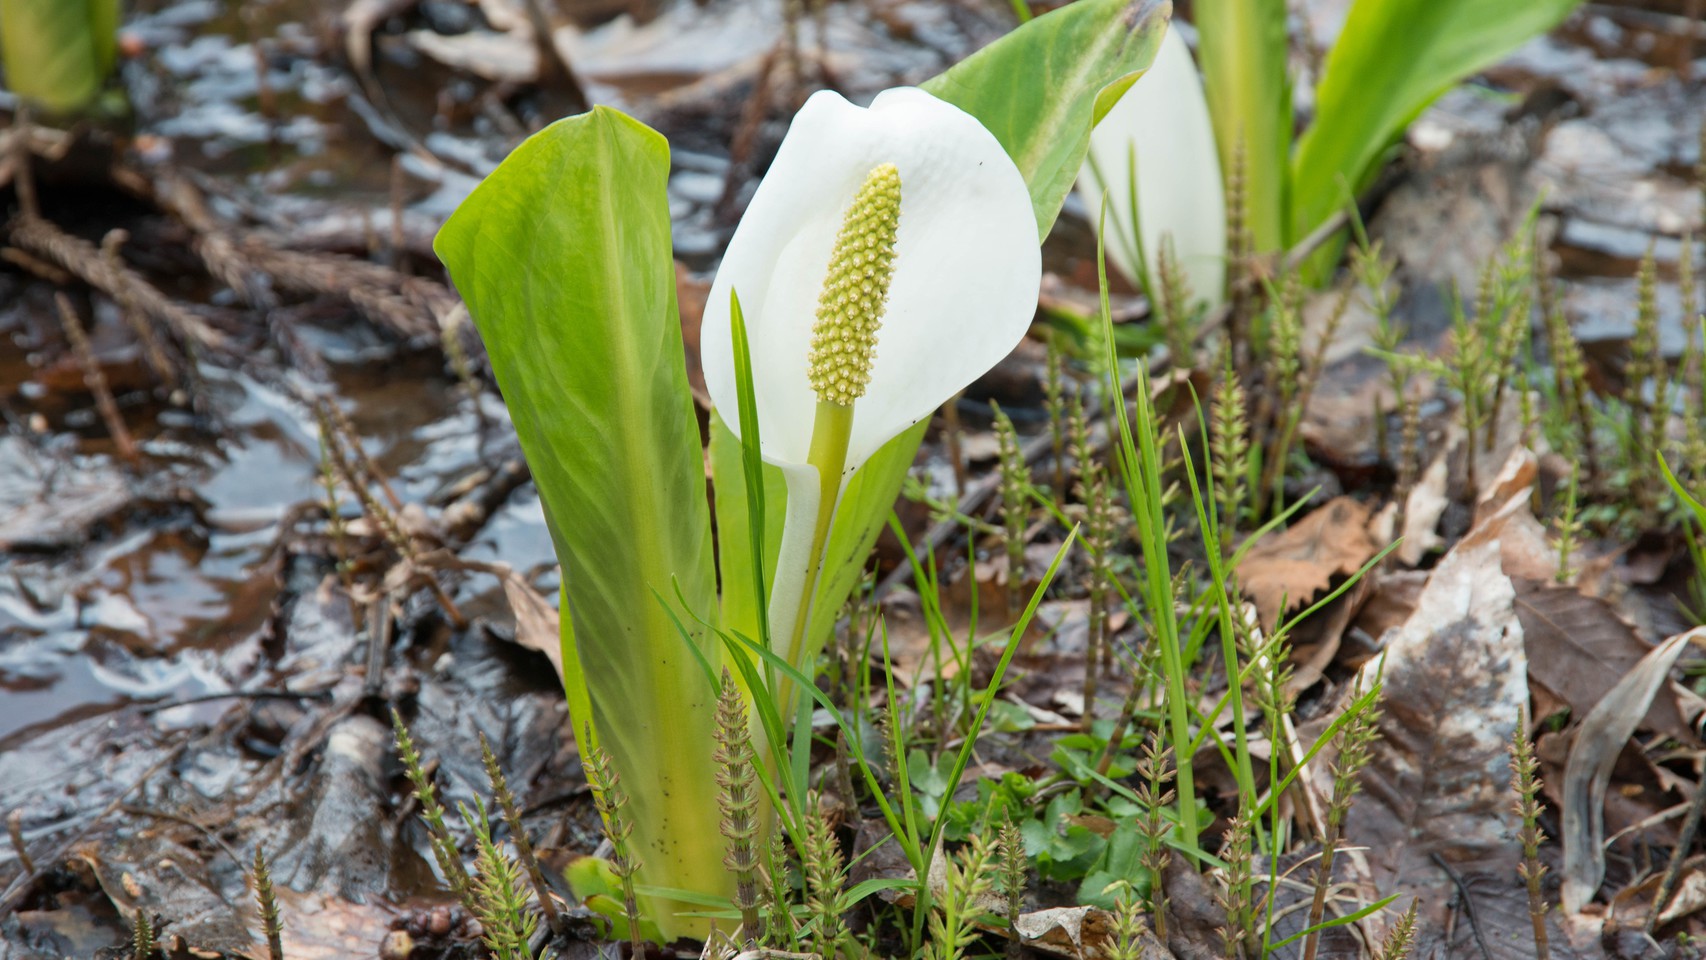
(133, 788)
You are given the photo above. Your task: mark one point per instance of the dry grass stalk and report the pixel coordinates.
(83, 260)
(96, 381)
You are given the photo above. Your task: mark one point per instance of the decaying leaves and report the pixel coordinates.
(1455, 677)
(1284, 571)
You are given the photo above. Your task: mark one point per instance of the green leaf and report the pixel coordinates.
(1392, 59)
(57, 53)
(1041, 88)
(1243, 47)
(563, 257)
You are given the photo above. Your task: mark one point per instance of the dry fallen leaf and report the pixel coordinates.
(1454, 675)
(1578, 647)
(1422, 509)
(1600, 739)
(1080, 932)
(1284, 571)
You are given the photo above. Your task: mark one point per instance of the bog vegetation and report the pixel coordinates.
(768, 779)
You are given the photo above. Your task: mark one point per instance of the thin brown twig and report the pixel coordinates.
(96, 380)
(15, 829)
(152, 350)
(1684, 844)
(23, 174)
(83, 260)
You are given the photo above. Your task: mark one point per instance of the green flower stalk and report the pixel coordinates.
(844, 343)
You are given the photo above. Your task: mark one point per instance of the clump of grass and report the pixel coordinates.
(1154, 771)
(1569, 529)
(1398, 940)
(1240, 259)
(1238, 897)
(1646, 365)
(1127, 933)
(1573, 432)
(825, 872)
(1178, 316)
(1512, 311)
(1692, 375)
(1229, 452)
(518, 835)
(1284, 370)
(142, 945)
(1054, 401)
(507, 920)
(1015, 870)
(968, 879)
(1099, 533)
(780, 930)
(1015, 506)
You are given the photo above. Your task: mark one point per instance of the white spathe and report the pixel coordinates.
(966, 270)
(1164, 119)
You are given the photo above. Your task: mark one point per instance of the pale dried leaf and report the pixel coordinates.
(1080, 932)
(1599, 740)
(1454, 675)
(498, 57)
(537, 624)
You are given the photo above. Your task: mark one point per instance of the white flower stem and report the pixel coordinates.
(791, 613)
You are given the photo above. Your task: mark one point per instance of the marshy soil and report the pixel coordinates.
(194, 662)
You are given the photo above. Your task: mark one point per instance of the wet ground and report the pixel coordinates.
(177, 674)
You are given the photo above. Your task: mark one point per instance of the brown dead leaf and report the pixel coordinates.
(1578, 647)
(1454, 675)
(1633, 903)
(1392, 602)
(1285, 571)
(537, 624)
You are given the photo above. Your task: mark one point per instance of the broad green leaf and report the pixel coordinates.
(1242, 46)
(57, 52)
(1042, 87)
(1392, 59)
(563, 257)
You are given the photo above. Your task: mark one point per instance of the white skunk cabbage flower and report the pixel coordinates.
(1163, 122)
(888, 259)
